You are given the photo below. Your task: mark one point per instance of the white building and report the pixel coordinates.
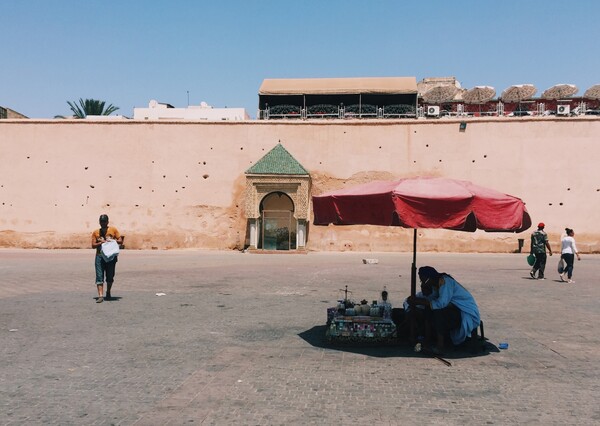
(162, 111)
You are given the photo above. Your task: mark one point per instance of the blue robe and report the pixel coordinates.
(452, 292)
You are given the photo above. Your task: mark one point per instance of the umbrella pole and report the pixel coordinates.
(413, 270)
(413, 289)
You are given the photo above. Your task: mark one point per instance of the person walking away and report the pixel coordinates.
(568, 253)
(104, 268)
(539, 244)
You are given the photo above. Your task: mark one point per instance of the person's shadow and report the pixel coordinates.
(110, 299)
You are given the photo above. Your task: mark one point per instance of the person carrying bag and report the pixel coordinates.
(106, 241)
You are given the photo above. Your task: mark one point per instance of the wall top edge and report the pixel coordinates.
(370, 122)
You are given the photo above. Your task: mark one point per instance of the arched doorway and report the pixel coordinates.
(278, 226)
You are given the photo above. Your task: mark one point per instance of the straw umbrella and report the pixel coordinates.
(440, 94)
(518, 92)
(593, 92)
(560, 91)
(479, 95)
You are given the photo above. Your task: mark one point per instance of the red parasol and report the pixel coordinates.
(422, 203)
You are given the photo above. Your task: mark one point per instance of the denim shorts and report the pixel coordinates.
(105, 269)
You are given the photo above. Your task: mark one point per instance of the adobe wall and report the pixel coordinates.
(181, 184)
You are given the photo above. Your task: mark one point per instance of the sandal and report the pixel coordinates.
(100, 299)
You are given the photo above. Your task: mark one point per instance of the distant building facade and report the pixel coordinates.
(6, 113)
(163, 111)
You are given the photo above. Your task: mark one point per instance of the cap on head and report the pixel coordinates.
(103, 218)
(541, 225)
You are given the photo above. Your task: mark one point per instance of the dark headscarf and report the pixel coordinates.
(427, 272)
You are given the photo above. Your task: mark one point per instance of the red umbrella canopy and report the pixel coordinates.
(423, 203)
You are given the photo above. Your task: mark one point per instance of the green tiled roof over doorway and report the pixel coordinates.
(277, 162)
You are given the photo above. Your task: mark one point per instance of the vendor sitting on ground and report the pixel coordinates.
(449, 306)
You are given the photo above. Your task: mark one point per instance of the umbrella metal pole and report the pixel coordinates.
(413, 289)
(413, 270)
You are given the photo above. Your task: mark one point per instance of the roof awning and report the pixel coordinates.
(339, 86)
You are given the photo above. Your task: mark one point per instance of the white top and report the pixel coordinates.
(568, 245)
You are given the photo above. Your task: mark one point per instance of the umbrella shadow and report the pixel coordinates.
(397, 348)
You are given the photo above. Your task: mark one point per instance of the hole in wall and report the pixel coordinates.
(205, 176)
(241, 148)
(46, 161)
(110, 177)
(426, 145)
(472, 161)
(560, 204)
(67, 186)
(164, 176)
(86, 167)
(568, 189)
(137, 205)
(549, 204)
(28, 158)
(139, 187)
(485, 156)
(92, 186)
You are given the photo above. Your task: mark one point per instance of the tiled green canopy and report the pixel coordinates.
(277, 162)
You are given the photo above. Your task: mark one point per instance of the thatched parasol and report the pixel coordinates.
(518, 93)
(479, 94)
(560, 91)
(593, 92)
(440, 94)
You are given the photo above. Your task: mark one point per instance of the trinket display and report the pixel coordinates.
(349, 321)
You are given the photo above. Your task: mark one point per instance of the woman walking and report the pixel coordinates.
(568, 253)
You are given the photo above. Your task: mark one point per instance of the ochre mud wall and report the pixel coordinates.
(181, 184)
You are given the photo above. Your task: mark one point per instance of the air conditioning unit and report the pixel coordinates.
(433, 111)
(563, 110)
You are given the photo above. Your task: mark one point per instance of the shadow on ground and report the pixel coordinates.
(399, 348)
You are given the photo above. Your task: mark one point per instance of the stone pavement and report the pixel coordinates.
(238, 339)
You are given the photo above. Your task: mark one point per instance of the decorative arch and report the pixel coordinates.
(277, 173)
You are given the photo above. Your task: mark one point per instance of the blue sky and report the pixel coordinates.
(130, 51)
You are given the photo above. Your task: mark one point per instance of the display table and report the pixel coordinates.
(360, 329)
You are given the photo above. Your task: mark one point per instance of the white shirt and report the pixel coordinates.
(568, 245)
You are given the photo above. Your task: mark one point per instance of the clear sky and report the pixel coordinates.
(128, 52)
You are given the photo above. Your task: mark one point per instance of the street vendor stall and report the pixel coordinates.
(361, 322)
(421, 202)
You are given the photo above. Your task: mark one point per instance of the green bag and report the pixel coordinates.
(531, 259)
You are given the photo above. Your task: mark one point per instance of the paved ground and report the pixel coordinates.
(238, 339)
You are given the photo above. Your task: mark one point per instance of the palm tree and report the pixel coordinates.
(91, 107)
